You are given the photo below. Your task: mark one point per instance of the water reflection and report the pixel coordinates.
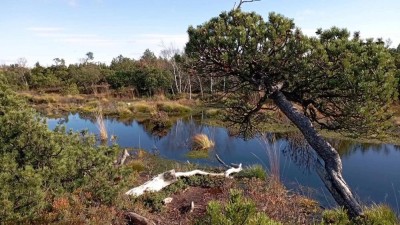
(372, 170)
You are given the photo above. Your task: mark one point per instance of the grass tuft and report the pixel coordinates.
(173, 108)
(202, 142)
(197, 154)
(377, 214)
(101, 126)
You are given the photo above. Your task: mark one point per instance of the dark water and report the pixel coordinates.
(372, 170)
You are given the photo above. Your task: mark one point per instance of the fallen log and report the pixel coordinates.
(169, 177)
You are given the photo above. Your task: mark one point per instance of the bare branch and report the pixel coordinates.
(245, 1)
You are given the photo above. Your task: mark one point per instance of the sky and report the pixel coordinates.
(41, 30)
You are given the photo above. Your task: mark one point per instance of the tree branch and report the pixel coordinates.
(245, 1)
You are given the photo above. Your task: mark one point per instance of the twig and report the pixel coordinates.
(233, 165)
(222, 162)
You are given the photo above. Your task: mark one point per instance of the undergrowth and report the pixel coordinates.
(238, 210)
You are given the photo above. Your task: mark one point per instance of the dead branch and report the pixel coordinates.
(245, 1)
(169, 177)
(124, 157)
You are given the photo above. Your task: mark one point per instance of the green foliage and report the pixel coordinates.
(335, 216)
(44, 77)
(375, 215)
(3, 79)
(238, 210)
(70, 89)
(37, 164)
(146, 80)
(347, 81)
(380, 214)
(256, 171)
(203, 181)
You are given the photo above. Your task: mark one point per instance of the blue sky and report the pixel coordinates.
(41, 30)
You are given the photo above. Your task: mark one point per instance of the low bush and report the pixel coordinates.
(256, 171)
(38, 165)
(238, 210)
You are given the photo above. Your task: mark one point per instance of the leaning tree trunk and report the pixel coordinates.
(331, 172)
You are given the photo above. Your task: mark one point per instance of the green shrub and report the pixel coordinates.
(153, 201)
(335, 216)
(37, 164)
(70, 89)
(203, 181)
(238, 210)
(256, 171)
(381, 215)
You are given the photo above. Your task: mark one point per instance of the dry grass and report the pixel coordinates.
(272, 148)
(202, 142)
(141, 107)
(173, 108)
(101, 126)
(280, 204)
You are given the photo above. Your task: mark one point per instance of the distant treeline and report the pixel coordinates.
(170, 74)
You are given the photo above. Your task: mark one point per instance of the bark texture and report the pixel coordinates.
(331, 171)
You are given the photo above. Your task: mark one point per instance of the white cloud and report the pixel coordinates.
(62, 35)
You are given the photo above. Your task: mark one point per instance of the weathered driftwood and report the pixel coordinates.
(169, 177)
(124, 157)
